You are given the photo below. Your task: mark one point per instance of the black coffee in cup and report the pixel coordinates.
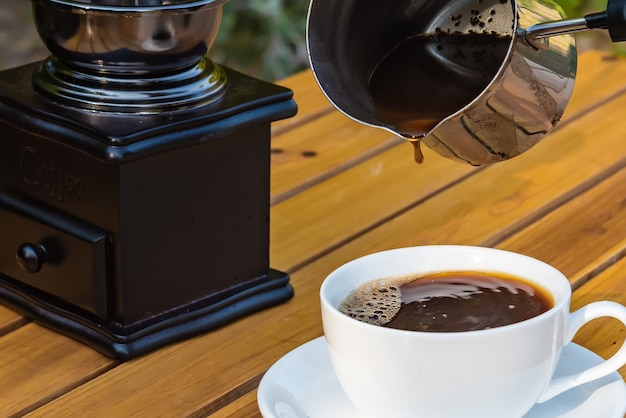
(447, 301)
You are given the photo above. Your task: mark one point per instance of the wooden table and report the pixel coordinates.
(341, 190)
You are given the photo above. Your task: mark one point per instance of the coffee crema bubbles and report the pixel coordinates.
(447, 301)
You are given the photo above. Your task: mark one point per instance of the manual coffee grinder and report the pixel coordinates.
(134, 177)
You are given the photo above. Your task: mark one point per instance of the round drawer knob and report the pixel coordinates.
(31, 257)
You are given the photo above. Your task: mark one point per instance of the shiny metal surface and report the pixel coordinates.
(200, 84)
(124, 55)
(536, 32)
(121, 5)
(522, 103)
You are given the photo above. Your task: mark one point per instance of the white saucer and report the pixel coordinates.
(302, 384)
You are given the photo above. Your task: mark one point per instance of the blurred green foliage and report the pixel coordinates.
(577, 8)
(266, 38)
(596, 39)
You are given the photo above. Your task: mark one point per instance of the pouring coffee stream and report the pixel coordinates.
(477, 81)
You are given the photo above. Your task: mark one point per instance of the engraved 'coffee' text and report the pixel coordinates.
(49, 174)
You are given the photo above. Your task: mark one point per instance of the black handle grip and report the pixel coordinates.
(613, 19)
(597, 21)
(616, 19)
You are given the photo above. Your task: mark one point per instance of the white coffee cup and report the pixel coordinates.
(500, 372)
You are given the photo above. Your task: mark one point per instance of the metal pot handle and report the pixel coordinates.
(612, 19)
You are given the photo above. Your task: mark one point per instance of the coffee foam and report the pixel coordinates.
(375, 302)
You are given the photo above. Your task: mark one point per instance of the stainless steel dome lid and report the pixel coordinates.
(129, 55)
(135, 5)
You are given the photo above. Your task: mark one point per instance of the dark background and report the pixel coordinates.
(19, 43)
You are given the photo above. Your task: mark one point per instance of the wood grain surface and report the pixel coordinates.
(341, 190)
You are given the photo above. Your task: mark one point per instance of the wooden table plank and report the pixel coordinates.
(318, 142)
(505, 197)
(334, 212)
(502, 197)
(312, 103)
(600, 74)
(10, 320)
(307, 153)
(179, 379)
(244, 407)
(392, 181)
(598, 221)
(38, 365)
(320, 149)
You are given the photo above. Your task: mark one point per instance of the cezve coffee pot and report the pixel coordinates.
(477, 81)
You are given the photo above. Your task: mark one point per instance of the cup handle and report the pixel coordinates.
(576, 321)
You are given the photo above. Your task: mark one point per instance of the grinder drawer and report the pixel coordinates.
(54, 253)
